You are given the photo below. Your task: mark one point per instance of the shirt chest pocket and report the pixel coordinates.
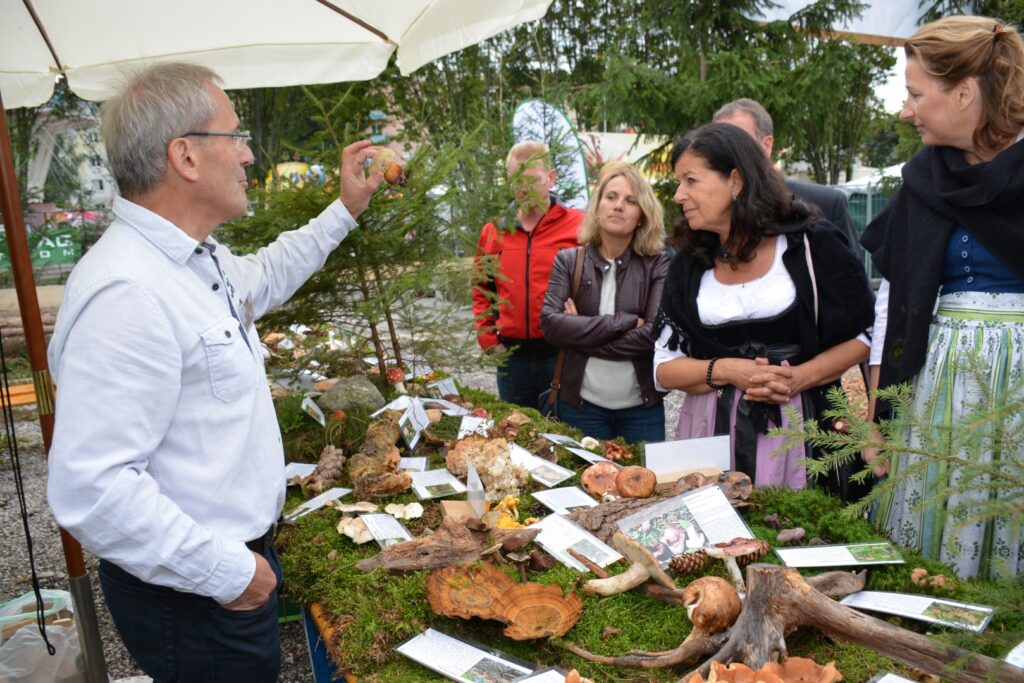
(232, 367)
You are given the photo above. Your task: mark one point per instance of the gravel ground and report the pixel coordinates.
(49, 558)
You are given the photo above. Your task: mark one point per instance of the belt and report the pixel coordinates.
(263, 543)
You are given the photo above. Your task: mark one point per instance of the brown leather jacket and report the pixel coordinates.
(639, 280)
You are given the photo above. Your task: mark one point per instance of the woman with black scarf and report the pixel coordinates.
(951, 247)
(764, 307)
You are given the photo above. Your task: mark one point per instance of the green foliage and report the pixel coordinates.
(992, 425)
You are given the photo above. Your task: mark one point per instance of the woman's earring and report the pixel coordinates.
(734, 198)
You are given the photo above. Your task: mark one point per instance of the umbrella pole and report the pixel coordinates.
(35, 340)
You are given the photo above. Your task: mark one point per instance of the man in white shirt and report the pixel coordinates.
(166, 459)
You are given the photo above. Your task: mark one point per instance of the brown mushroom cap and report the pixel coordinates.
(748, 549)
(599, 479)
(712, 603)
(791, 535)
(636, 482)
(637, 553)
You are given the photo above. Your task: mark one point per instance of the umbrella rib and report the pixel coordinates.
(42, 32)
(375, 31)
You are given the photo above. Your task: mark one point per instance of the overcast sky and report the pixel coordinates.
(894, 91)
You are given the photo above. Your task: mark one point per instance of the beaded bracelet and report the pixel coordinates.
(707, 378)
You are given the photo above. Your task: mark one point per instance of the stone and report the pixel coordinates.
(351, 393)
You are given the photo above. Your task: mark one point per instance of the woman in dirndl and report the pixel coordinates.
(950, 312)
(765, 306)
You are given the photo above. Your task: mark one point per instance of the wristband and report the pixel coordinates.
(707, 378)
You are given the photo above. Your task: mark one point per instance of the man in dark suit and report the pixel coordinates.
(749, 115)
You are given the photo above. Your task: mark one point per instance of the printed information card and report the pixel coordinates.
(385, 528)
(840, 555)
(565, 500)
(670, 460)
(460, 659)
(314, 504)
(435, 484)
(558, 534)
(553, 675)
(925, 608)
(685, 523)
(1016, 656)
(889, 678)
(541, 471)
(298, 469)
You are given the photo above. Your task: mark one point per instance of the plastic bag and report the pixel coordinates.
(24, 659)
(23, 655)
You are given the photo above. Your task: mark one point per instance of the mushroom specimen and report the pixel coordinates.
(614, 451)
(731, 552)
(635, 482)
(396, 378)
(407, 511)
(599, 479)
(493, 462)
(356, 529)
(792, 670)
(642, 567)
(329, 470)
(530, 610)
(712, 605)
(791, 536)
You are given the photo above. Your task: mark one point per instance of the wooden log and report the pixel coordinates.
(779, 601)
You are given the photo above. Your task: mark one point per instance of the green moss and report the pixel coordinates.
(375, 612)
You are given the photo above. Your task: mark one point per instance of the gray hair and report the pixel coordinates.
(157, 105)
(745, 105)
(527, 150)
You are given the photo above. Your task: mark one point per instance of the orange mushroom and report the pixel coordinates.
(599, 479)
(636, 482)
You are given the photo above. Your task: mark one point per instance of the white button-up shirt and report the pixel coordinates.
(166, 455)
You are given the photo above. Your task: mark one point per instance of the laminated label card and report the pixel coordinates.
(670, 460)
(565, 500)
(443, 387)
(412, 423)
(313, 410)
(685, 523)
(889, 678)
(385, 528)
(840, 555)
(925, 608)
(399, 403)
(562, 440)
(315, 503)
(460, 659)
(445, 406)
(542, 471)
(417, 464)
(298, 469)
(589, 456)
(552, 675)
(435, 484)
(558, 534)
(1016, 656)
(471, 424)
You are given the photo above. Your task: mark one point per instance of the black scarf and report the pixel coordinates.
(845, 303)
(908, 239)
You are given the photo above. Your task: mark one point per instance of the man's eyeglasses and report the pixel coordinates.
(241, 138)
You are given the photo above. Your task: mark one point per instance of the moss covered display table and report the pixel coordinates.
(362, 617)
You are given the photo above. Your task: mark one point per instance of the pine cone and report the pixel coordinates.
(763, 549)
(688, 563)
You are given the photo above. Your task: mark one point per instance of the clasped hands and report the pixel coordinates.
(763, 382)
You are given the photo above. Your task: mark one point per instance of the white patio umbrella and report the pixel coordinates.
(250, 43)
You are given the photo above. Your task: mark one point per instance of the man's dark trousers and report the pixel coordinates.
(177, 636)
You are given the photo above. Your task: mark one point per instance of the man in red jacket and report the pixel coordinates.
(514, 266)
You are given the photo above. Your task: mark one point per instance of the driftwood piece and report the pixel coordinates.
(601, 519)
(457, 541)
(779, 601)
